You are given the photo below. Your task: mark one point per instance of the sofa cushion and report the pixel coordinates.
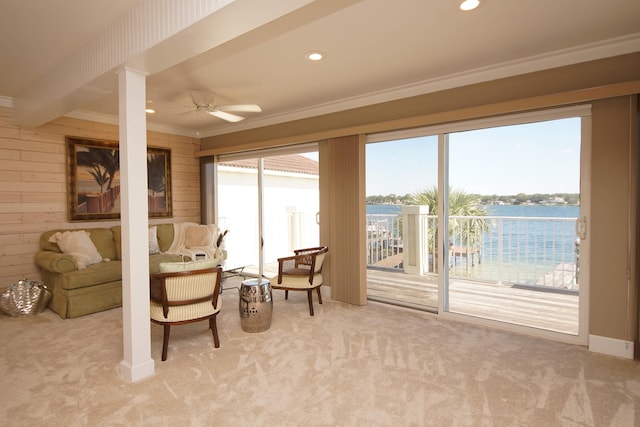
(165, 236)
(102, 238)
(117, 240)
(164, 233)
(95, 274)
(79, 245)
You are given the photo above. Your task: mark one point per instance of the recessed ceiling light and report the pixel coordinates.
(150, 110)
(467, 5)
(315, 56)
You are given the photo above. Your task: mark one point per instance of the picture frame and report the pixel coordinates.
(93, 180)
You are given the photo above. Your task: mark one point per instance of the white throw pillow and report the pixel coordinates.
(198, 236)
(154, 246)
(77, 244)
(173, 267)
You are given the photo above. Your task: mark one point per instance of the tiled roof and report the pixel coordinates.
(286, 163)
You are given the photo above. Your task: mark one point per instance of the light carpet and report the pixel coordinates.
(375, 365)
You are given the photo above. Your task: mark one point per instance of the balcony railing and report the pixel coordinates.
(530, 251)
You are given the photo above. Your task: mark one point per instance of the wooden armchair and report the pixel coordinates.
(184, 297)
(301, 272)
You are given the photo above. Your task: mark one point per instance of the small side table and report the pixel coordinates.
(255, 305)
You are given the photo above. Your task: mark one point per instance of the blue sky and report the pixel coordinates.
(530, 158)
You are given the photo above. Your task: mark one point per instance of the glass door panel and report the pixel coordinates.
(513, 203)
(291, 205)
(401, 242)
(270, 205)
(238, 212)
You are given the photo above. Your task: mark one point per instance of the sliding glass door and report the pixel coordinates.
(269, 202)
(513, 204)
(511, 195)
(401, 263)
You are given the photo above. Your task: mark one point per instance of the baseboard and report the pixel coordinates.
(138, 372)
(611, 346)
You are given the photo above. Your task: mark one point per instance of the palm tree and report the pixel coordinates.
(156, 170)
(468, 230)
(100, 175)
(102, 163)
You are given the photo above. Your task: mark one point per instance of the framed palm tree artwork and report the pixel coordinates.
(93, 180)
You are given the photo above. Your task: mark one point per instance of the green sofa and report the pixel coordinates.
(77, 292)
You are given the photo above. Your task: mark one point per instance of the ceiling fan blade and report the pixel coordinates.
(241, 108)
(225, 116)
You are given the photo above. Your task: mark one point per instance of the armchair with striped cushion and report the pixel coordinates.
(183, 297)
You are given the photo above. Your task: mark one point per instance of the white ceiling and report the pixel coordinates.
(376, 50)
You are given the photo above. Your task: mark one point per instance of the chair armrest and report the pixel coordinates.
(291, 266)
(55, 262)
(308, 250)
(287, 258)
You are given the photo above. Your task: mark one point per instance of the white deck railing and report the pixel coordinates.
(531, 251)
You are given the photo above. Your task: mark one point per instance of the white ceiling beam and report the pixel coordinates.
(140, 39)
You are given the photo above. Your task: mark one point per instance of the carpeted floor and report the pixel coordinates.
(375, 365)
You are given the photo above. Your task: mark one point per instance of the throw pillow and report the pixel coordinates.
(154, 246)
(77, 244)
(173, 267)
(198, 235)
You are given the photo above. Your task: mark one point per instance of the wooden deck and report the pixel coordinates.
(392, 261)
(548, 309)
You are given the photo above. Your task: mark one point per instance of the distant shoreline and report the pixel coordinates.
(520, 199)
(485, 204)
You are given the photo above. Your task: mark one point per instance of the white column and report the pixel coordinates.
(415, 247)
(137, 362)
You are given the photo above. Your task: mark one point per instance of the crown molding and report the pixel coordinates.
(559, 58)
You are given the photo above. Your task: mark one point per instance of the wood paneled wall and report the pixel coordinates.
(33, 187)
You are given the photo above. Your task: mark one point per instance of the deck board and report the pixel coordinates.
(544, 308)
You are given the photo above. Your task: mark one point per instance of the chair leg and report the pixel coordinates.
(214, 330)
(319, 295)
(286, 294)
(165, 342)
(310, 298)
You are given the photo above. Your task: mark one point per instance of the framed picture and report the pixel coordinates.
(93, 180)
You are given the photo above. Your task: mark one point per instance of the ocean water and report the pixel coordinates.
(525, 241)
(504, 210)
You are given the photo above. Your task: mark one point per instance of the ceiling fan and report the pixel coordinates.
(203, 102)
